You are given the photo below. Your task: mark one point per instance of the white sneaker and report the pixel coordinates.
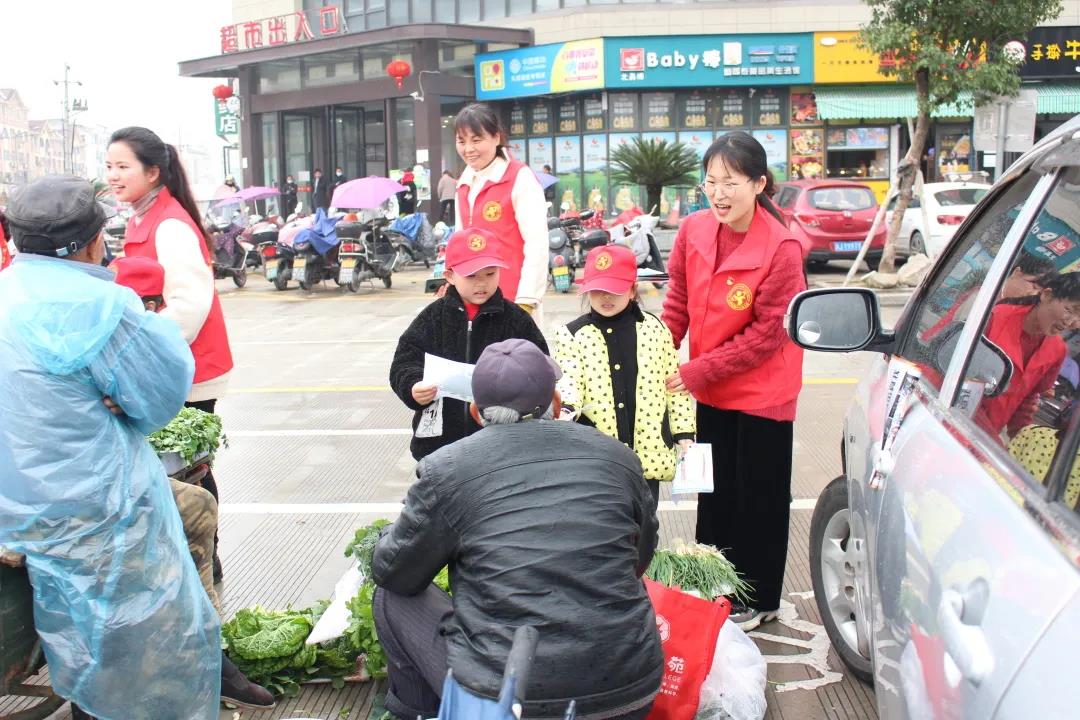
(751, 618)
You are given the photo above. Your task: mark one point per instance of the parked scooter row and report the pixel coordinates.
(569, 241)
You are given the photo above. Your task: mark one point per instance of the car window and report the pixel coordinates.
(959, 196)
(957, 278)
(835, 198)
(786, 198)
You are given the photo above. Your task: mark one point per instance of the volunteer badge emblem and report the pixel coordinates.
(740, 297)
(477, 243)
(603, 261)
(492, 211)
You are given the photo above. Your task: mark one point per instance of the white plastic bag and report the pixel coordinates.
(694, 473)
(735, 686)
(335, 620)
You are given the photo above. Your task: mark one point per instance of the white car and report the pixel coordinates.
(947, 205)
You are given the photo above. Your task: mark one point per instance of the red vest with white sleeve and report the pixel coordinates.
(720, 305)
(213, 358)
(494, 211)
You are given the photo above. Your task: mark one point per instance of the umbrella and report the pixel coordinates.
(248, 193)
(546, 180)
(365, 193)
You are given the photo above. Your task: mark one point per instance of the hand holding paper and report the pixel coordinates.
(454, 379)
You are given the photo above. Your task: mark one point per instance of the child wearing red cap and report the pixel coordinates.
(472, 315)
(615, 361)
(145, 276)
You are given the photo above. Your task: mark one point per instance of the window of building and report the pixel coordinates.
(521, 7)
(544, 5)
(494, 9)
(421, 11)
(399, 13)
(857, 152)
(279, 76)
(457, 58)
(469, 11)
(405, 126)
(332, 69)
(445, 11)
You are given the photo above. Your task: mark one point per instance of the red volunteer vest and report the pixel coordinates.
(1006, 326)
(494, 211)
(720, 305)
(213, 358)
(5, 256)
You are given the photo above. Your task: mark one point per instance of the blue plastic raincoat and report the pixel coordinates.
(127, 628)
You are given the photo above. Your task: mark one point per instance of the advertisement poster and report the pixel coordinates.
(541, 70)
(540, 121)
(624, 111)
(568, 170)
(839, 57)
(770, 107)
(623, 197)
(804, 109)
(517, 119)
(516, 146)
(659, 111)
(569, 112)
(541, 153)
(862, 138)
(594, 151)
(734, 109)
(593, 110)
(807, 156)
(697, 141)
(668, 137)
(693, 111)
(954, 153)
(775, 143)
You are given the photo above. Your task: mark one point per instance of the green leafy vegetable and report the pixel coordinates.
(191, 433)
(697, 567)
(363, 545)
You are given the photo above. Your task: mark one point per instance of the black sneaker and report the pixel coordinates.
(77, 713)
(748, 618)
(238, 691)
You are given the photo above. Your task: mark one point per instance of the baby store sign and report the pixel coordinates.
(696, 60)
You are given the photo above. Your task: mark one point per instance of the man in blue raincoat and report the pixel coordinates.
(128, 631)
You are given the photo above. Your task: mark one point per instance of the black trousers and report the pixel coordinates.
(416, 654)
(446, 212)
(747, 514)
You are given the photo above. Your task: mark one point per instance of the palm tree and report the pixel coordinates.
(656, 165)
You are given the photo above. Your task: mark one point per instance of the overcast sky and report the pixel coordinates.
(125, 53)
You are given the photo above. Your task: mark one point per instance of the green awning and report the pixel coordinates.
(878, 102)
(1058, 99)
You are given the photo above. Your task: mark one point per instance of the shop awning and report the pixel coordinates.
(854, 103)
(1058, 99)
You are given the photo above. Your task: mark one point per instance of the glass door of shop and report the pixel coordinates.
(374, 121)
(348, 124)
(299, 159)
(952, 151)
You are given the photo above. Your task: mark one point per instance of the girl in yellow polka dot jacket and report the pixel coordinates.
(615, 360)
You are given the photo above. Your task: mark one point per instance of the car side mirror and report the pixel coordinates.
(836, 320)
(989, 365)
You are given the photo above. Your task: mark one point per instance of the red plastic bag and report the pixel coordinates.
(688, 629)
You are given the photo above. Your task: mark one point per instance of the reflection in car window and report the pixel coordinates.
(850, 198)
(957, 281)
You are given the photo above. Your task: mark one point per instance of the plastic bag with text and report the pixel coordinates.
(694, 474)
(689, 627)
(735, 687)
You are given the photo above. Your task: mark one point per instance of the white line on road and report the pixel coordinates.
(370, 432)
(390, 508)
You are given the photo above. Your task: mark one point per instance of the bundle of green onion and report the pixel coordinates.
(702, 569)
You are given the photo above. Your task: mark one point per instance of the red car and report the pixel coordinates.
(831, 218)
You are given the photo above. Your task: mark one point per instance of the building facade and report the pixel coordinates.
(575, 79)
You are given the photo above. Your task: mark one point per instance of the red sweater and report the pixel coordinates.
(761, 338)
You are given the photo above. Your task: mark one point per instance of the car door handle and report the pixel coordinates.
(959, 616)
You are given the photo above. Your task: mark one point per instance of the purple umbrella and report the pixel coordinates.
(546, 180)
(365, 193)
(247, 194)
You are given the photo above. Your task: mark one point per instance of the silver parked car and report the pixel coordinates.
(946, 559)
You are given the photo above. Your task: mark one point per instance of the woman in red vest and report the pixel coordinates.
(1028, 329)
(502, 195)
(734, 269)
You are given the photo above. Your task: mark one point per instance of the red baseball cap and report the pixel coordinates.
(611, 268)
(472, 249)
(142, 274)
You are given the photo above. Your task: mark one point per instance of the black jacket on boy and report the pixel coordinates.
(443, 328)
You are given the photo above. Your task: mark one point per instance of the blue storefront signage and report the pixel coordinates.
(708, 60)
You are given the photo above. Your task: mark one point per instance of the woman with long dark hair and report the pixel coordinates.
(500, 194)
(734, 269)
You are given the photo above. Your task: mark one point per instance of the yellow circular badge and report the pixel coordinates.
(477, 243)
(492, 211)
(603, 261)
(740, 297)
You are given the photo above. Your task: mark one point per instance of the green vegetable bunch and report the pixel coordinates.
(703, 568)
(191, 433)
(268, 646)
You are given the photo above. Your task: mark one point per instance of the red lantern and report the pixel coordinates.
(223, 92)
(399, 70)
